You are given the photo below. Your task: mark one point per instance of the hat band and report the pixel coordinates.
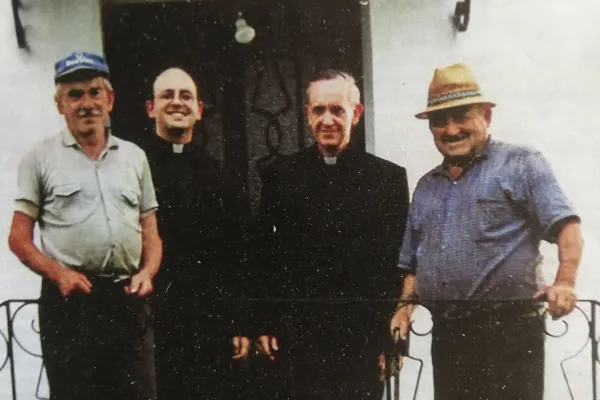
(452, 96)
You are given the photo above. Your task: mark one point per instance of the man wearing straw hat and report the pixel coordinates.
(472, 237)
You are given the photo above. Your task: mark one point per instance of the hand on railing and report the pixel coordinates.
(399, 329)
(400, 323)
(561, 299)
(392, 359)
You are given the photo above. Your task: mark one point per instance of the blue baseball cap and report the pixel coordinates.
(79, 66)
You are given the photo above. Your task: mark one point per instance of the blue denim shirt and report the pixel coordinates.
(478, 237)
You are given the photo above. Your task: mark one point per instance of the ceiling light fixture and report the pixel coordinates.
(244, 33)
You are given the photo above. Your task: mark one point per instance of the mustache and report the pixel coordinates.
(88, 112)
(454, 138)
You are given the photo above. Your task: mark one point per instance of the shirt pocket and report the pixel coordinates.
(68, 205)
(129, 206)
(498, 218)
(131, 198)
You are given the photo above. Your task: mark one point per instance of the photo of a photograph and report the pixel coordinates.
(299, 200)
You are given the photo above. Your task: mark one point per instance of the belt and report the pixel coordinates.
(106, 276)
(107, 283)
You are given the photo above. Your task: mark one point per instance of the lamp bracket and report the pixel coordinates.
(19, 29)
(462, 14)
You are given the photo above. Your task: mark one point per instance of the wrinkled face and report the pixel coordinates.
(86, 105)
(175, 104)
(331, 114)
(460, 132)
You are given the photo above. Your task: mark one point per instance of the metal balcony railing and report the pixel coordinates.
(571, 354)
(573, 357)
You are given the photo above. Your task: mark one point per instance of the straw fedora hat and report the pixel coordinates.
(452, 86)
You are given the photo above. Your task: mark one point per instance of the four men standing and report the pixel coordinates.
(330, 230)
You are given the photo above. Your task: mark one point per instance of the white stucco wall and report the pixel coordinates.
(540, 61)
(54, 29)
(27, 112)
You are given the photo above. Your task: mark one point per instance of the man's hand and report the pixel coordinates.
(141, 284)
(267, 345)
(401, 320)
(241, 346)
(382, 368)
(70, 281)
(395, 365)
(561, 298)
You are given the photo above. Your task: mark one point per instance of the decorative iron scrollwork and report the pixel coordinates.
(32, 325)
(15, 344)
(4, 342)
(579, 316)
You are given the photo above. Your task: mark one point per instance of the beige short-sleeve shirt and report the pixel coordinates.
(89, 211)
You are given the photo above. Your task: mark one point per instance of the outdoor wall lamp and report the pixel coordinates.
(244, 33)
(462, 13)
(19, 30)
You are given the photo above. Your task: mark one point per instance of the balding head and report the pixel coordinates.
(174, 78)
(175, 105)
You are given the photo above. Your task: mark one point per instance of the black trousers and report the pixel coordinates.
(97, 346)
(488, 355)
(331, 352)
(194, 351)
(334, 374)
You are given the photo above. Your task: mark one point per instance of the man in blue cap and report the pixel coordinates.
(92, 195)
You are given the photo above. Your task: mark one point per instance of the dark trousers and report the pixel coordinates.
(97, 346)
(331, 352)
(320, 374)
(488, 355)
(194, 352)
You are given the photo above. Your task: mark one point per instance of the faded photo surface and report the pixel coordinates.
(299, 199)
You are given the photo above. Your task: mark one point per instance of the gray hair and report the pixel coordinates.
(332, 74)
(58, 89)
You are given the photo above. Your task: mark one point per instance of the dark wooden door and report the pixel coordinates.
(253, 93)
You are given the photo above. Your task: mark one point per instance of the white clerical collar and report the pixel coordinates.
(330, 160)
(177, 148)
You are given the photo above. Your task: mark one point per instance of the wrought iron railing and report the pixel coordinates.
(22, 372)
(578, 349)
(22, 360)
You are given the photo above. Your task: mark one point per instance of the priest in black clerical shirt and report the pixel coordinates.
(197, 332)
(331, 224)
